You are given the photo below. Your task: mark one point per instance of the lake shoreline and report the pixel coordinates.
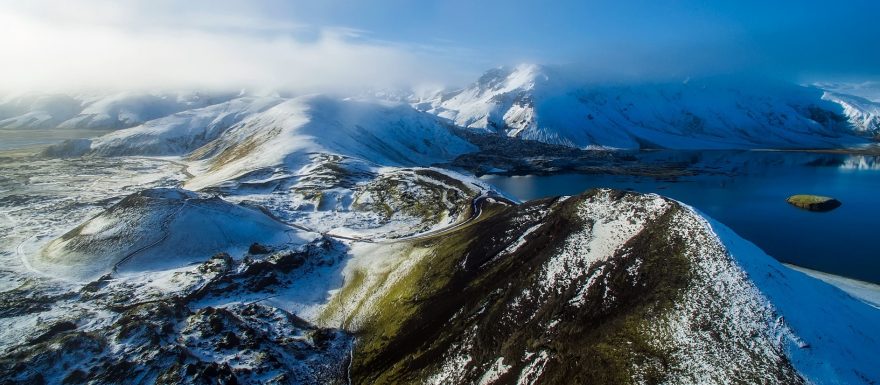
(747, 191)
(865, 291)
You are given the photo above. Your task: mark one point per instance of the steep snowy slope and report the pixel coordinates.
(160, 229)
(863, 113)
(866, 89)
(605, 287)
(540, 103)
(287, 135)
(102, 111)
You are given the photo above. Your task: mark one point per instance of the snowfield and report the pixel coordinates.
(161, 229)
(285, 135)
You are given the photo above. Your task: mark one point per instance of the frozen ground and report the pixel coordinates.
(42, 199)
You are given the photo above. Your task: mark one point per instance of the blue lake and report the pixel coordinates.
(746, 190)
(21, 139)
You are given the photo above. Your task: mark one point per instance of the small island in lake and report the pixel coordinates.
(814, 202)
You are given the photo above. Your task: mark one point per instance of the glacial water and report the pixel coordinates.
(746, 190)
(22, 139)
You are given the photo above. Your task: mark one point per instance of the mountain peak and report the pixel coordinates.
(505, 78)
(550, 104)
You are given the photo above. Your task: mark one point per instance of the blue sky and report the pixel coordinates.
(806, 37)
(312, 44)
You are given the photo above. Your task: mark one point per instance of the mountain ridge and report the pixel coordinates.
(544, 103)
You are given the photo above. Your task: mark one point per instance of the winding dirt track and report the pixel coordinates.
(476, 212)
(165, 232)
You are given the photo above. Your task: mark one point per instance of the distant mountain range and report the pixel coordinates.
(540, 103)
(527, 101)
(97, 111)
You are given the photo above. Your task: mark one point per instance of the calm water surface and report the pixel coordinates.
(747, 190)
(18, 139)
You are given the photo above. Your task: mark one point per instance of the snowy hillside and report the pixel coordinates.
(632, 288)
(248, 134)
(863, 113)
(289, 133)
(160, 228)
(541, 103)
(102, 111)
(181, 132)
(869, 90)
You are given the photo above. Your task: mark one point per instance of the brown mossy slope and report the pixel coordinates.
(466, 301)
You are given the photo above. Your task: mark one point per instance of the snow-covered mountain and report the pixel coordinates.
(606, 287)
(869, 90)
(286, 135)
(181, 132)
(542, 103)
(99, 111)
(862, 113)
(249, 134)
(527, 101)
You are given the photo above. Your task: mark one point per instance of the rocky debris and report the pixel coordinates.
(256, 248)
(29, 298)
(505, 155)
(138, 333)
(165, 342)
(425, 194)
(252, 275)
(68, 149)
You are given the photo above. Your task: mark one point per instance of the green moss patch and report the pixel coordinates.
(813, 202)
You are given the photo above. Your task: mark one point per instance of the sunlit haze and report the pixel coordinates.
(50, 45)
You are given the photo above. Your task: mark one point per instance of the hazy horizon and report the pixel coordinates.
(53, 45)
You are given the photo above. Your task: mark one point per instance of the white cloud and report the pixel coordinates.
(99, 44)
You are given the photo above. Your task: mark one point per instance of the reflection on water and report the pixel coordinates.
(861, 163)
(746, 190)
